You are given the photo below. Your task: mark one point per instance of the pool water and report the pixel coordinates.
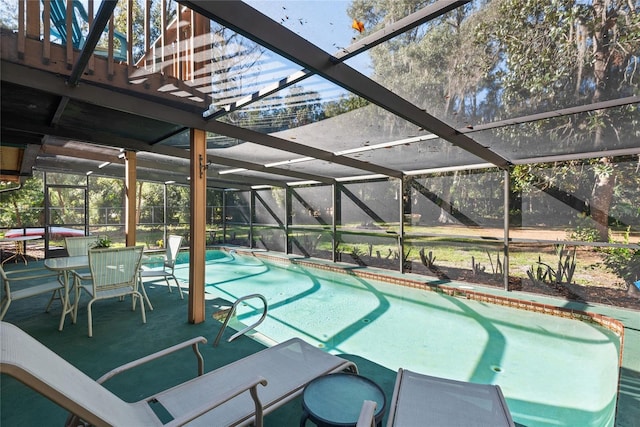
(552, 371)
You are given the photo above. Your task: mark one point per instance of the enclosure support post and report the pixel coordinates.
(224, 216)
(47, 215)
(130, 179)
(252, 214)
(197, 229)
(165, 211)
(401, 227)
(86, 207)
(505, 265)
(336, 213)
(287, 220)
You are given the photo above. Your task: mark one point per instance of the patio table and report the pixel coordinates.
(20, 246)
(65, 266)
(335, 400)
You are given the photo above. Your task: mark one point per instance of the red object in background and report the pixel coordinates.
(53, 231)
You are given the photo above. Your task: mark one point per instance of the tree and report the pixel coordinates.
(9, 14)
(23, 207)
(568, 53)
(106, 200)
(513, 58)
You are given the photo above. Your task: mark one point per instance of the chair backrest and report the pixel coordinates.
(113, 268)
(417, 397)
(77, 246)
(80, 18)
(173, 247)
(59, 20)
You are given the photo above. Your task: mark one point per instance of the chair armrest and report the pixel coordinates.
(192, 342)
(30, 273)
(251, 386)
(81, 276)
(367, 412)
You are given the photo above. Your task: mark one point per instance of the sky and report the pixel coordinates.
(325, 23)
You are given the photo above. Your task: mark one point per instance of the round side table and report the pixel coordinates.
(336, 400)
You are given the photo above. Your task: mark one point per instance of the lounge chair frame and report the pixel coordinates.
(227, 396)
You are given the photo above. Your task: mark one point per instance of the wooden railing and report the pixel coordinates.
(173, 53)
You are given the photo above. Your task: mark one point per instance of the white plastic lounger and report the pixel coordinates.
(223, 397)
(430, 401)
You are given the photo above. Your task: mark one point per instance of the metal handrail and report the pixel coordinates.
(231, 313)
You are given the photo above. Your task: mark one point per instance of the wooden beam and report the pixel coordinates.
(33, 20)
(198, 139)
(130, 198)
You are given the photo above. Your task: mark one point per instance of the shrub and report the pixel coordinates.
(624, 262)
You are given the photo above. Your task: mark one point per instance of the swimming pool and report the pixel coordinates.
(553, 371)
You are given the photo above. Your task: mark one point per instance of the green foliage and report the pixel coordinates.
(106, 200)
(476, 267)
(23, 207)
(344, 105)
(625, 262)
(497, 270)
(428, 260)
(563, 273)
(584, 230)
(103, 242)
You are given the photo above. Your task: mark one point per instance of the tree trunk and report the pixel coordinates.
(139, 203)
(446, 208)
(16, 209)
(601, 197)
(603, 187)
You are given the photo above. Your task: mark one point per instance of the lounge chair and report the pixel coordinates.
(227, 396)
(423, 400)
(168, 269)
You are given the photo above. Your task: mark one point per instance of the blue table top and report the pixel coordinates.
(338, 398)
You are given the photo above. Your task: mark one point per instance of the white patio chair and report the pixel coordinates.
(114, 273)
(19, 284)
(79, 246)
(227, 396)
(168, 268)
